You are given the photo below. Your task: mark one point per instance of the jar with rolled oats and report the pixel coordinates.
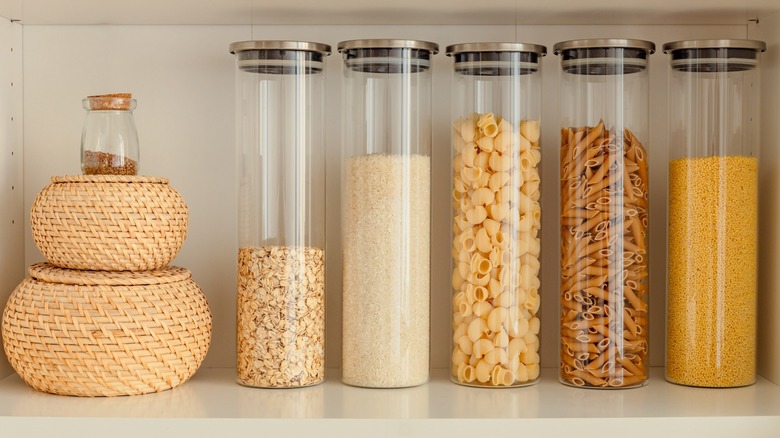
(280, 330)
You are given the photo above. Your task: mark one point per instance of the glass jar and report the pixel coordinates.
(280, 97)
(604, 212)
(714, 113)
(109, 140)
(497, 107)
(386, 211)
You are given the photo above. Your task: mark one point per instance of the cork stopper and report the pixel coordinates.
(114, 101)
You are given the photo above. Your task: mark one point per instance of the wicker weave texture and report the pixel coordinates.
(111, 223)
(104, 340)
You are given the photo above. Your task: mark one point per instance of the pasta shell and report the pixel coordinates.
(485, 144)
(468, 131)
(498, 211)
(482, 196)
(530, 129)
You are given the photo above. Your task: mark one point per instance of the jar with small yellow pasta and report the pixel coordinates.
(604, 212)
(496, 92)
(714, 114)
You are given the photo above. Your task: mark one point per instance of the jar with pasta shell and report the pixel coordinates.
(280, 112)
(712, 280)
(497, 105)
(386, 211)
(604, 212)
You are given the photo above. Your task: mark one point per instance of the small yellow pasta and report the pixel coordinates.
(495, 287)
(529, 357)
(459, 331)
(497, 318)
(521, 372)
(533, 371)
(477, 328)
(498, 211)
(496, 355)
(476, 215)
(534, 325)
(530, 130)
(457, 279)
(485, 144)
(482, 308)
(468, 130)
(515, 347)
(465, 345)
(482, 371)
(482, 159)
(502, 339)
(458, 357)
(502, 142)
(498, 240)
(487, 123)
(483, 240)
(482, 196)
(478, 279)
(482, 347)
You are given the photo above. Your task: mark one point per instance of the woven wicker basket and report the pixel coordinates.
(107, 222)
(106, 333)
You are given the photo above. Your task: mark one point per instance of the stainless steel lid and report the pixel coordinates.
(305, 46)
(715, 44)
(495, 47)
(388, 44)
(604, 43)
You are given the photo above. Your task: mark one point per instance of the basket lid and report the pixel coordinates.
(109, 179)
(52, 274)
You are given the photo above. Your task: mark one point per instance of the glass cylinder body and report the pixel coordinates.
(109, 140)
(386, 212)
(281, 212)
(604, 212)
(714, 113)
(497, 106)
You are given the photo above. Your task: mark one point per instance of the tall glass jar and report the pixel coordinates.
(109, 140)
(714, 113)
(386, 210)
(604, 212)
(280, 112)
(497, 107)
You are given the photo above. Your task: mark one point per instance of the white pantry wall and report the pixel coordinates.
(11, 184)
(768, 29)
(183, 79)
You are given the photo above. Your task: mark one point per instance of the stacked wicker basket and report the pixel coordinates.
(107, 315)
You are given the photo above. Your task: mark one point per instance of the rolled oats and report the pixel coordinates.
(281, 316)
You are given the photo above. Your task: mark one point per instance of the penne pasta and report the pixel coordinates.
(603, 257)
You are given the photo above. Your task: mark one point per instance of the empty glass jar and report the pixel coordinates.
(109, 140)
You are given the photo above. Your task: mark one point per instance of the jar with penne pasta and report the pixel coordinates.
(496, 247)
(280, 101)
(386, 212)
(712, 283)
(604, 212)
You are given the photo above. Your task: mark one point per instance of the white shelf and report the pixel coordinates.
(385, 12)
(211, 402)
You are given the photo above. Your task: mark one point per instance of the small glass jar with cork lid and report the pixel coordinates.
(109, 141)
